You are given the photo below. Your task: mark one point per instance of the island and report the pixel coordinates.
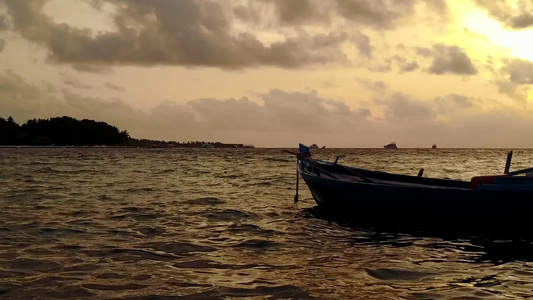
(68, 131)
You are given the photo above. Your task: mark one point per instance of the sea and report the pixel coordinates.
(126, 223)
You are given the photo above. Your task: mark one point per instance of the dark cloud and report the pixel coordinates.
(376, 86)
(425, 52)
(210, 33)
(400, 106)
(74, 82)
(440, 7)
(379, 14)
(114, 87)
(514, 91)
(404, 65)
(2, 44)
(451, 103)
(362, 43)
(450, 60)
(330, 83)
(189, 33)
(514, 78)
(375, 14)
(24, 101)
(520, 71)
(4, 24)
(519, 16)
(300, 11)
(96, 68)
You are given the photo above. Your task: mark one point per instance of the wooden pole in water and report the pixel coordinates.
(508, 162)
(297, 181)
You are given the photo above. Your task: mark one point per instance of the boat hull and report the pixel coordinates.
(423, 208)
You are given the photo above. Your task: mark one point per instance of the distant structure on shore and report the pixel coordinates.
(391, 145)
(434, 146)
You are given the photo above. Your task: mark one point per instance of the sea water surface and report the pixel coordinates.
(92, 223)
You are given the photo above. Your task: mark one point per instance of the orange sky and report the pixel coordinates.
(340, 73)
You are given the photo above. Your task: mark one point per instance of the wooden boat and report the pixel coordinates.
(499, 202)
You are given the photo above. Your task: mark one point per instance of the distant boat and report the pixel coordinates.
(434, 146)
(391, 145)
(314, 146)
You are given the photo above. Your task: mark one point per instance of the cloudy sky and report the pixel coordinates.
(272, 73)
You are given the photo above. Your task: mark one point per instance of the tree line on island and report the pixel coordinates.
(67, 131)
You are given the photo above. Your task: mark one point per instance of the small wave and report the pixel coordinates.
(136, 190)
(151, 231)
(229, 176)
(209, 264)
(398, 274)
(110, 276)
(48, 170)
(130, 255)
(229, 215)
(104, 197)
(80, 267)
(142, 277)
(257, 244)
(250, 228)
(10, 290)
(33, 265)
(112, 287)
(179, 248)
(69, 292)
(60, 231)
(205, 201)
(264, 183)
(277, 159)
(275, 292)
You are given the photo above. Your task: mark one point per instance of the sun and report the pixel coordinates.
(517, 44)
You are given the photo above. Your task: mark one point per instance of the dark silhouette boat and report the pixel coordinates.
(497, 202)
(391, 145)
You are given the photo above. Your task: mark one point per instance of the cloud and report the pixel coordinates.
(400, 106)
(284, 118)
(453, 103)
(517, 16)
(187, 33)
(98, 69)
(379, 14)
(362, 43)
(449, 60)
(4, 25)
(229, 34)
(2, 44)
(520, 71)
(114, 87)
(376, 86)
(74, 82)
(24, 101)
(404, 65)
(513, 90)
(301, 11)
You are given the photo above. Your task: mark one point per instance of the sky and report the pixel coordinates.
(275, 73)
